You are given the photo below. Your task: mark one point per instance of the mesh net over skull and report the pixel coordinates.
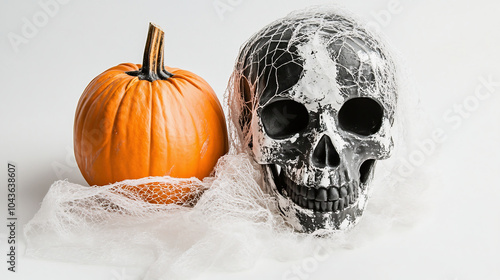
(314, 97)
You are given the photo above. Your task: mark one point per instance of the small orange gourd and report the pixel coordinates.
(136, 121)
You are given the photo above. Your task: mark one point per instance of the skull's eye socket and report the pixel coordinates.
(361, 115)
(284, 118)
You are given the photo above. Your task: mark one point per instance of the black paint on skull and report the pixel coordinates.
(272, 63)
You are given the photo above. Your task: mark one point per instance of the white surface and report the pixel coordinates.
(447, 45)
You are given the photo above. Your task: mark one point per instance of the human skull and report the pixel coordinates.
(317, 97)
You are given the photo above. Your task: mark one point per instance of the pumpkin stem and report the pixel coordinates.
(152, 65)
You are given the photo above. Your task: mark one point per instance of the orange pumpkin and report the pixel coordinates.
(136, 121)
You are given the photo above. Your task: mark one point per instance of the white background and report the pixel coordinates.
(448, 47)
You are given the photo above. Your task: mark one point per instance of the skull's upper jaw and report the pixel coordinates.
(311, 209)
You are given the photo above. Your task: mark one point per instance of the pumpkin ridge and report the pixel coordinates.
(183, 108)
(190, 77)
(216, 109)
(83, 103)
(201, 96)
(151, 92)
(198, 148)
(131, 66)
(165, 113)
(118, 109)
(209, 131)
(108, 80)
(164, 118)
(175, 83)
(197, 137)
(181, 103)
(131, 83)
(87, 116)
(208, 95)
(99, 96)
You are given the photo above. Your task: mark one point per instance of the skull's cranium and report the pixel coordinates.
(318, 97)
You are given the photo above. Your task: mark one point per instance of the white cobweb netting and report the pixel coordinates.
(228, 221)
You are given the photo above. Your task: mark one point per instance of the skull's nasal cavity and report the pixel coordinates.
(325, 155)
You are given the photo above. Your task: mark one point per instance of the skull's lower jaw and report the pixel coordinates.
(308, 215)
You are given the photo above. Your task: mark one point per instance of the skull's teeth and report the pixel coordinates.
(278, 169)
(322, 199)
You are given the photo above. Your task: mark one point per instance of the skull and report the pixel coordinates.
(317, 97)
